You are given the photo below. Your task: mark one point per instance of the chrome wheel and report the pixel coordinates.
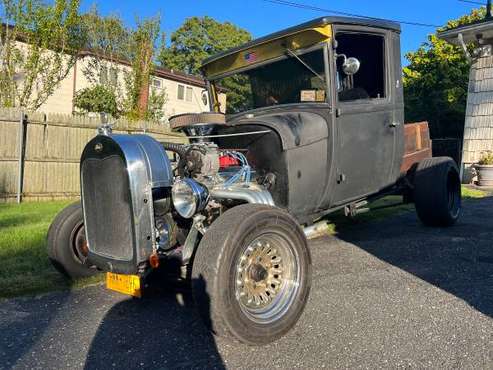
(267, 277)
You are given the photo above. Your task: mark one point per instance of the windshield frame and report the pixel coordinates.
(324, 46)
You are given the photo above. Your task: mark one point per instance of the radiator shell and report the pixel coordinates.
(118, 175)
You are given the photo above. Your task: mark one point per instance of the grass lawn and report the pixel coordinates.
(25, 265)
(27, 270)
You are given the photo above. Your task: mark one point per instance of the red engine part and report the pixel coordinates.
(228, 161)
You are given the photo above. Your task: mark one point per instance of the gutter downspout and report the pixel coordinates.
(464, 47)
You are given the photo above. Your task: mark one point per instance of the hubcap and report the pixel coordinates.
(79, 243)
(267, 278)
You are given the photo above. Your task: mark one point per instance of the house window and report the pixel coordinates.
(369, 81)
(157, 83)
(103, 76)
(113, 76)
(108, 76)
(181, 92)
(189, 94)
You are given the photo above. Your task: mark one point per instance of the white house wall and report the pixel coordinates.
(61, 101)
(177, 106)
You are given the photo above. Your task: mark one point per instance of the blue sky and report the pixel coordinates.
(260, 17)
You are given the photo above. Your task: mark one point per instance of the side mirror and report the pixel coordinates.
(351, 66)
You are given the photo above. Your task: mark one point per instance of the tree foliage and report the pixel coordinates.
(142, 47)
(436, 83)
(199, 38)
(29, 74)
(97, 99)
(157, 101)
(107, 39)
(111, 42)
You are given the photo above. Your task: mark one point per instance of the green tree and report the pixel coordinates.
(108, 40)
(157, 100)
(436, 82)
(202, 37)
(98, 99)
(51, 38)
(142, 48)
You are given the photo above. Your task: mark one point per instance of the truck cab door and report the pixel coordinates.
(365, 115)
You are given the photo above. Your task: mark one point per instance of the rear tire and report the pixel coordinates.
(66, 243)
(251, 275)
(437, 192)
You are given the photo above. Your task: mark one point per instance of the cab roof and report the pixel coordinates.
(318, 22)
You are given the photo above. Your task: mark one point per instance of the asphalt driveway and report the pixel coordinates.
(385, 294)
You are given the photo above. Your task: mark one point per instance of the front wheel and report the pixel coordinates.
(251, 274)
(66, 243)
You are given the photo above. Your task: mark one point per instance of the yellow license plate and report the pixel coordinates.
(126, 284)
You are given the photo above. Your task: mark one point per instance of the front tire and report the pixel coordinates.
(66, 243)
(251, 275)
(437, 192)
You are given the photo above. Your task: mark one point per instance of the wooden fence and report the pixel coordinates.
(39, 154)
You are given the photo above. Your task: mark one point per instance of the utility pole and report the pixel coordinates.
(488, 9)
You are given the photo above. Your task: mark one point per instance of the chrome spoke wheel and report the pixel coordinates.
(267, 278)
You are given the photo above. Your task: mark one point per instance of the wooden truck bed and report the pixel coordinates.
(417, 144)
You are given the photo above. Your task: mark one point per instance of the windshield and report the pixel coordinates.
(292, 80)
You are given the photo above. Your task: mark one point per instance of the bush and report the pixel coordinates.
(97, 99)
(486, 159)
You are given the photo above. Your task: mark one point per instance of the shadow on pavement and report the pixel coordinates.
(24, 322)
(458, 259)
(161, 331)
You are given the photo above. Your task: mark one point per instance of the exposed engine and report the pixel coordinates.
(205, 163)
(139, 205)
(207, 181)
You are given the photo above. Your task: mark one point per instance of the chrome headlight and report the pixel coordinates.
(189, 197)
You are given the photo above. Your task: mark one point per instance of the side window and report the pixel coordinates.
(113, 76)
(103, 75)
(189, 93)
(156, 83)
(108, 76)
(369, 82)
(181, 92)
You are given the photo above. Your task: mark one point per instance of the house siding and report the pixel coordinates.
(478, 128)
(62, 99)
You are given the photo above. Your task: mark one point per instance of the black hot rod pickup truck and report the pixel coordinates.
(320, 129)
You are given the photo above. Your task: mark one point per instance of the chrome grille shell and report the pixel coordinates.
(118, 175)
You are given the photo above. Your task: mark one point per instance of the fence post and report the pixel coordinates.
(20, 173)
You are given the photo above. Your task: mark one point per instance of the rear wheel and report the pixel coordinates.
(251, 274)
(437, 191)
(66, 243)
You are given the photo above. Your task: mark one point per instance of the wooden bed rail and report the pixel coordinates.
(417, 144)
